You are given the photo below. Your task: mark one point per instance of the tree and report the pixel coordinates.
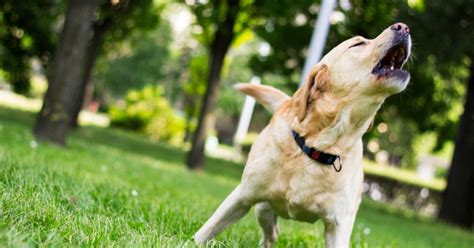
(116, 21)
(458, 198)
(26, 32)
(66, 72)
(227, 12)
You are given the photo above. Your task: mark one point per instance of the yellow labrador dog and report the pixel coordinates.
(307, 163)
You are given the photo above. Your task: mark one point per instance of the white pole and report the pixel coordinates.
(319, 37)
(246, 115)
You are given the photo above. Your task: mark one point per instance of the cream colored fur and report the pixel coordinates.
(332, 110)
(269, 97)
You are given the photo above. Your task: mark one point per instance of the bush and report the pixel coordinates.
(149, 112)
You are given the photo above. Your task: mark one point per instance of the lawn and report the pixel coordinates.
(114, 188)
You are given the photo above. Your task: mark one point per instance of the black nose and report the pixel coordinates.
(401, 28)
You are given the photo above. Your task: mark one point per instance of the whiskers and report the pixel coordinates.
(413, 58)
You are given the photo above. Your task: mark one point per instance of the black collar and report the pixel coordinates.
(322, 157)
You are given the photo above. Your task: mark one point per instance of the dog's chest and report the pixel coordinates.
(295, 185)
(306, 194)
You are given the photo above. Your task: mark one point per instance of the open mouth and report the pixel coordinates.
(391, 64)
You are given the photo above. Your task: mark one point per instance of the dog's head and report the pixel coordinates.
(359, 73)
(372, 66)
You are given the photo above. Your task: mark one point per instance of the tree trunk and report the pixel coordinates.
(93, 50)
(219, 47)
(91, 56)
(66, 72)
(458, 198)
(189, 102)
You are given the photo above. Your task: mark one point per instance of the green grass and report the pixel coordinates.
(114, 188)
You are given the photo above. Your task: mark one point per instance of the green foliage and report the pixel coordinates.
(433, 100)
(125, 17)
(195, 85)
(210, 14)
(277, 23)
(141, 60)
(27, 30)
(147, 111)
(441, 172)
(113, 188)
(134, 48)
(449, 55)
(396, 138)
(453, 31)
(230, 101)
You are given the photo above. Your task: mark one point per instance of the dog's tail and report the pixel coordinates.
(268, 96)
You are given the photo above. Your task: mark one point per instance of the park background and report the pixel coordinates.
(107, 109)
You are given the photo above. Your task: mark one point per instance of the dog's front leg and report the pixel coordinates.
(234, 207)
(337, 233)
(267, 219)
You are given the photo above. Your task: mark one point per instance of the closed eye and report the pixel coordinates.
(358, 44)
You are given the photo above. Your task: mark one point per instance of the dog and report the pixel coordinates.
(306, 164)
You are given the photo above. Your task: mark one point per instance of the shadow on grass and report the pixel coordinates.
(139, 144)
(18, 117)
(129, 142)
(382, 208)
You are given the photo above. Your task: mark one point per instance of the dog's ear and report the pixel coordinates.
(316, 84)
